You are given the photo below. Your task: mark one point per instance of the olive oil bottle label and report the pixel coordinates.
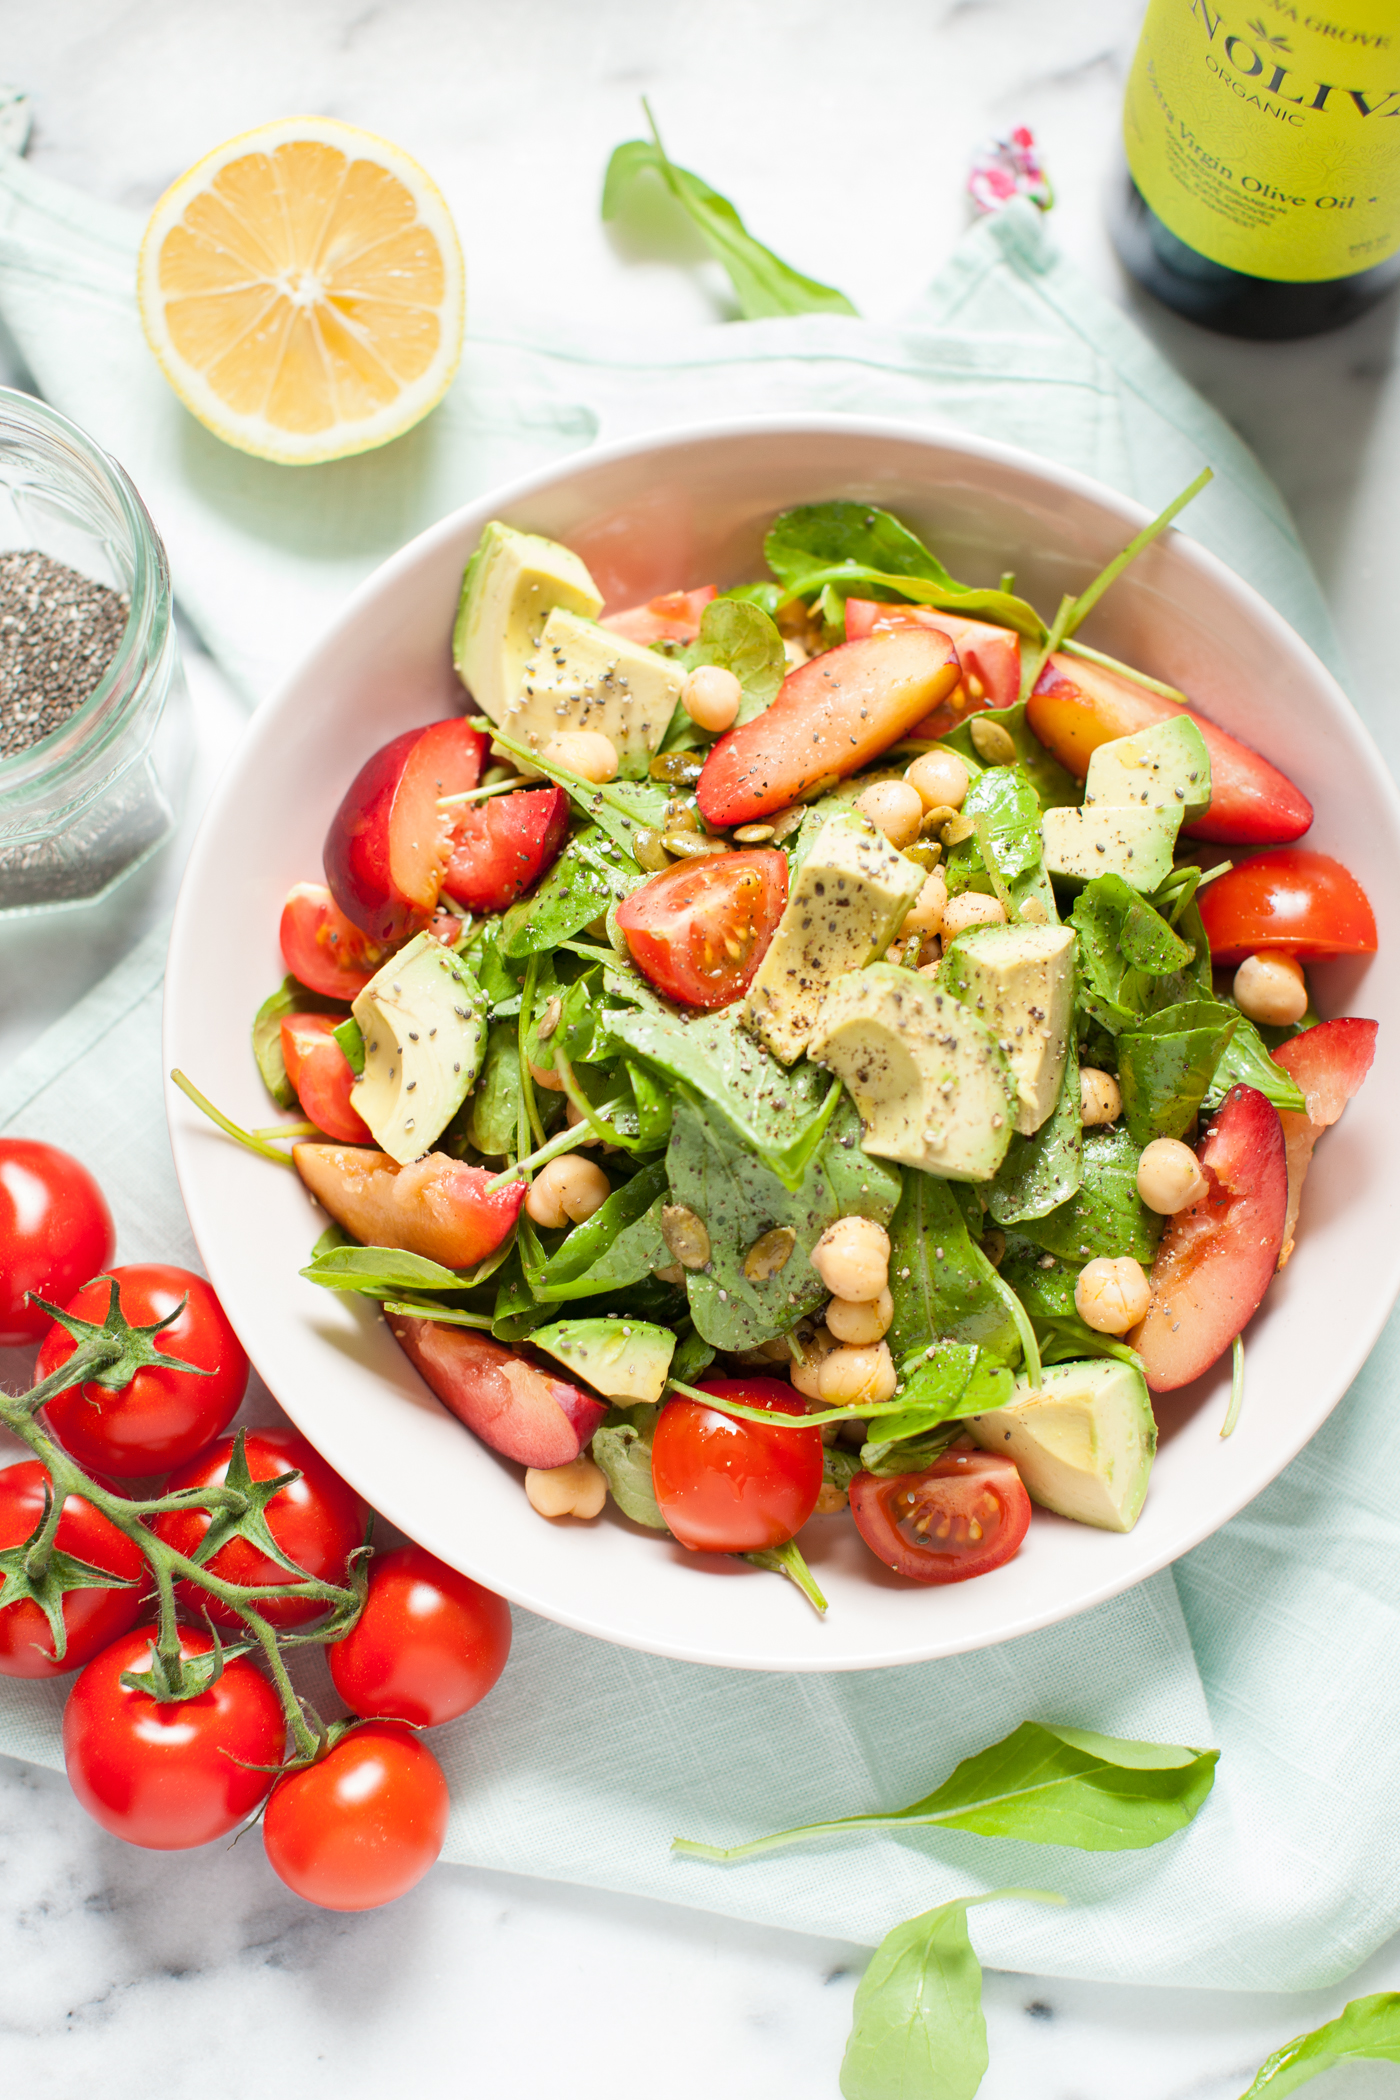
(1266, 136)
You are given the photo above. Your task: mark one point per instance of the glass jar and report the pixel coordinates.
(83, 806)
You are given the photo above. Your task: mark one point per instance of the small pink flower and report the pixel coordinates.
(1008, 167)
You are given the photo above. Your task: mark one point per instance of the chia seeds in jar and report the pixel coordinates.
(58, 633)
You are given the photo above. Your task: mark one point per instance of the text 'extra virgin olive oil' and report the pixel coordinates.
(1263, 142)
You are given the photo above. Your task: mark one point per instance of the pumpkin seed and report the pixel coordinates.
(685, 1235)
(770, 1254)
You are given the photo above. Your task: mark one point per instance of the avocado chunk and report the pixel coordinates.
(1164, 767)
(512, 584)
(929, 1079)
(620, 1358)
(1020, 981)
(424, 1026)
(1082, 1441)
(1111, 839)
(582, 676)
(846, 905)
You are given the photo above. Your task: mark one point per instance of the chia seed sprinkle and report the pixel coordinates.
(58, 633)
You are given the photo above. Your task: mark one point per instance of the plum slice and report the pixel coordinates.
(990, 654)
(437, 1207)
(1329, 1063)
(524, 1412)
(1215, 1260)
(389, 842)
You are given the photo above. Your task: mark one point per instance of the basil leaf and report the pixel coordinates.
(1367, 2028)
(763, 284)
(1043, 1784)
(589, 875)
(1246, 1062)
(1106, 1215)
(623, 1450)
(291, 997)
(1041, 1172)
(857, 549)
(619, 1245)
(938, 1278)
(741, 637)
(1165, 1066)
(917, 2029)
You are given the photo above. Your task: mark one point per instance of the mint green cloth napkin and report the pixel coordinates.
(587, 1759)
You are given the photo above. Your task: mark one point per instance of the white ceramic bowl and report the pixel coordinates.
(680, 510)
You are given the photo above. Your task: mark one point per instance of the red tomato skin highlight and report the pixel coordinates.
(55, 1232)
(163, 1417)
(428, 1646)
(726, 1485)
(677, 924)
(958, 1485)
(323, 949)
(317, 1521)
(93, 1618)
(674, 617)
(501, 848)
(362, 1826)
(165, 1776)
(322, 1077)
(1291, 902)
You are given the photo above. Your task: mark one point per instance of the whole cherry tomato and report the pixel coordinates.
(1291, 901)
(963, 1515)
(162, 1417)
(91, 1617)
(700, 929)
(317, 1521)
(168, 1776)
(55, 1232)
(428, 1645)
(362, 1825)
(726, 1485)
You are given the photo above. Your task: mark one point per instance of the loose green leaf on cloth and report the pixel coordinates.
(1368, 2028)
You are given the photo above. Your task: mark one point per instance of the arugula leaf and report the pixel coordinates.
(855, 548)
(939, 1278)
(741, 637)
(1246, 1062)
(589, 875)
(714, 1172)
(1368, 2028)
(654, 1107)
(492, 1114)
(619, 1245)
(1041, 1172)
(291, 997)
(1054, 785)
(1165, 1064)
(623, 1449)
(917, 2030)
(763, 283)
(948, 1386)
(1106, 1215)
(387, 1272)
(1043, 1784)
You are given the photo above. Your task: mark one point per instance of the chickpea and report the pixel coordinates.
(566, 1191)
(971, 908)
(861, 1321)
(925, 914)
(546, 1077)
(940, 779)
(830, 1499)
(1271, 989)
(711, 696)
(852, 1258)
(577, 1490)
(894, 808)
(1112, 1296)
(795, 653)
(586, 752)
(856, 1377)
(817, 1346)
(1169, 1176)
(1100, 1100)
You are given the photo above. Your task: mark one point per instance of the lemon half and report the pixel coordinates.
(302, 287)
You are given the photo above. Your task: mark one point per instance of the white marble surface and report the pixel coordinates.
(844, 138)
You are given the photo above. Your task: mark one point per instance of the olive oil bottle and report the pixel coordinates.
(1263, 147)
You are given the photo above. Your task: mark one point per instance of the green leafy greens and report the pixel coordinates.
(1368, 2028)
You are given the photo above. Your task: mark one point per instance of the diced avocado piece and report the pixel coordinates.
(1082, 1441)
(512, 584)
(424, 1025)
(846, 905)
(1020, 981)
(623, 1359)
(583, 676)
(1112, 839)
(1164, 767)
(928, 1079)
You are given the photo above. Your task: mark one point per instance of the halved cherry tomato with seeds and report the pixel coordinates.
(962, 1516)
(322, 1076)
(323, 949)
(699, 930)
(502, 847)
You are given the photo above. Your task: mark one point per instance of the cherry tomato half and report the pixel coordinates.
(726, 1485)
(700, 929)
(322, 1076)
(318, 1521)
(163, 1417)
(323, 949)
(91, 1617)
(55, 1232)
(364, 1824)
(1291, 901)
(962, 1516)
(428, 1645)
(501, 848)
(169, 1776)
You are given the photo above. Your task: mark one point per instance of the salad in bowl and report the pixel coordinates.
(831, 1045)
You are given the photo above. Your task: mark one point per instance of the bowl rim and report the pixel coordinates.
(1360, 1338)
